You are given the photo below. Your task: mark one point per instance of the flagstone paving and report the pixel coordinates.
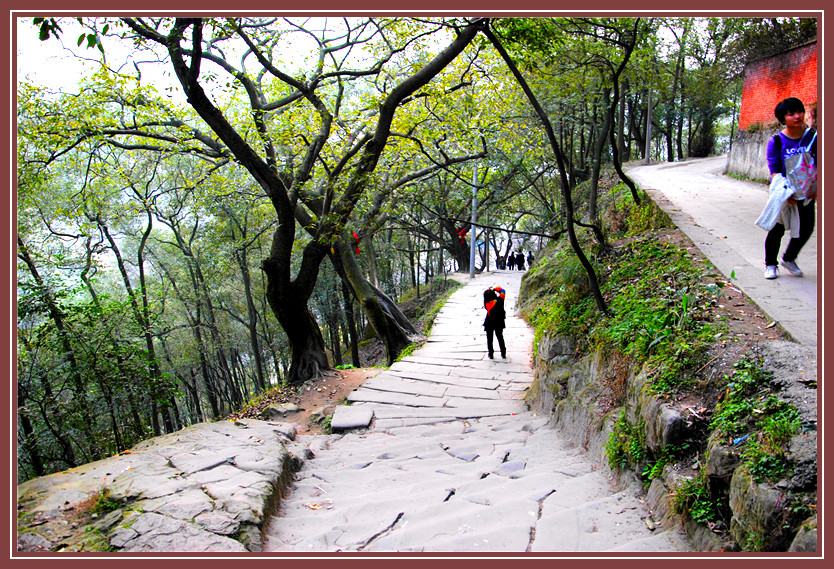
(440, 454)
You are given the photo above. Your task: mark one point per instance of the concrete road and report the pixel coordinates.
(719, 213)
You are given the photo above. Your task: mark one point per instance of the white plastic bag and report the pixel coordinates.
(780, 191)
(802, 172)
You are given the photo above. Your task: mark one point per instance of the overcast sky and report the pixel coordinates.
(48, 62)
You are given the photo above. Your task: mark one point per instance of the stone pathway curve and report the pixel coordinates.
(440, 454)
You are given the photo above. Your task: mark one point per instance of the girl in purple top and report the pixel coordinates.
(794, 138)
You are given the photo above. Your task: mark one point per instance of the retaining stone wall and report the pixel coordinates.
(748, 155)
(571, 391)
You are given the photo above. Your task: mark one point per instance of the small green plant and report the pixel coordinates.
(735, 410)
(667, 456)
(625, 445)
(764, 466)
(103, 503)
(767, 422)
(326, 424)
(692, 498)
(407, 351)
(755, 541)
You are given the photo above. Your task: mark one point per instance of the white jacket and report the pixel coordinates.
(778, 209)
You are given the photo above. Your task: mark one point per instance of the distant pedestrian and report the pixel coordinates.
(494, 320)
(519, 261)
(530, 259)
(792, 161)
(511, 260)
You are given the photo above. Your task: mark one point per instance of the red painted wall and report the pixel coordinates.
(768, 81)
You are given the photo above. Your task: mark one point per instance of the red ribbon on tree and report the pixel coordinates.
(462, 234)
(355, 236)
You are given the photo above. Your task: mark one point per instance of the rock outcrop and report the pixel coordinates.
(208, 487)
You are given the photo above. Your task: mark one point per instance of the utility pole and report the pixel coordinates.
(486, 242)
(474, 220)
(649, 129)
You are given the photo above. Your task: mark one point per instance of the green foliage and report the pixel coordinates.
(407, 351)
(733, 412)
(104, 503)
(659, 300)
(327, 424)
(692, 498)
(670, 452)
(624, 447)
(624, 218)
(47, 27)
(765, 466)
(749, 409)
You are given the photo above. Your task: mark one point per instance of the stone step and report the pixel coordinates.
(453, 461)
(476, 382)
(387, 397)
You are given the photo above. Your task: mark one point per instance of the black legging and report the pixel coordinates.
(774, 236)
(499, 332)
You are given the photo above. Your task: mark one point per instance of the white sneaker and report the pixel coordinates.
(771, 272)
(792, 268)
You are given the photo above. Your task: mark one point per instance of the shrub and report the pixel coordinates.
(625, 444)
(692, 498)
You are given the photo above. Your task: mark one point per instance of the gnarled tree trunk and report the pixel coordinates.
(392, 326)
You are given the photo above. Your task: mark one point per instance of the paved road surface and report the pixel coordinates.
(453, 461)
(719, 213)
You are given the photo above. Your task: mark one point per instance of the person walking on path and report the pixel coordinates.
(791, 159)
(495, 317)
(519, 261)
(511, 260)
(530, 259)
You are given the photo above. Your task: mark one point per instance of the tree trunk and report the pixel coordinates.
(602, 136)
(141, 316)
(289, 302)
(367, 245)
(621, 125)
(30, 441)
(351, 325)
(195, 409)
(138, 426)
(392, 326)
(564, 184)
(252, 324)
(80, 398)
(195, 322)
(615, 80)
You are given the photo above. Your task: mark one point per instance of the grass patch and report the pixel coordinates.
(750, 413)
(625, 446)
(659, 298)
(692, 498)
(423, 309)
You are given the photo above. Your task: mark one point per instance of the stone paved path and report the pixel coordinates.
(451, 460)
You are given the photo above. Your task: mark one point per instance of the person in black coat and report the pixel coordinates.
(511, 260)
(494, 320)
(519, 261)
